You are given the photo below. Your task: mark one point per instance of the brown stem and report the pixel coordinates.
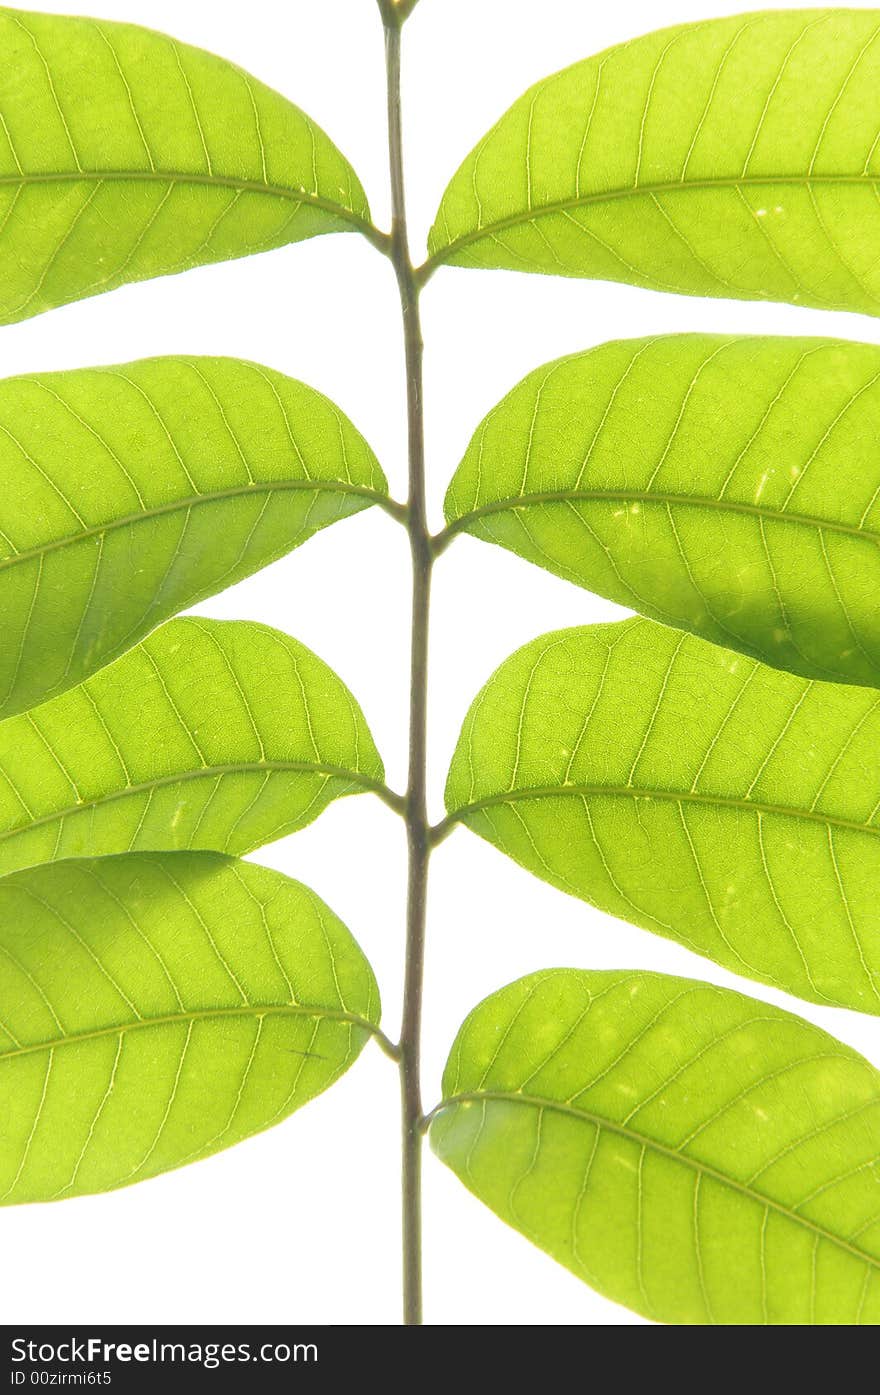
(418, 830)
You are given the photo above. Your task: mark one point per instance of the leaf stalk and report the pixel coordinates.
(440, 541)
(439, 832)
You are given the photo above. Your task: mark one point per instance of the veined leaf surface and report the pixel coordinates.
(209, 734)
(694, 1154)
(125, 155)
(735, 157)
(692, 791)
(129, 493)
(730, 486)
(156, 1008)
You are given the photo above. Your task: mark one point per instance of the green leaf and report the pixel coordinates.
(694, 1154)
(692, 791)
(155, 1009)
(127, 494)
(729, 486)
(735, 157)
(210, 734)
(125, 154)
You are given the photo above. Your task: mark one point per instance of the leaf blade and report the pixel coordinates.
(695, 793)
(215, 735)
(735, 157)
(672, 1100)
(725, 485)
(157, 1008)
(185, 157)
(130, 493)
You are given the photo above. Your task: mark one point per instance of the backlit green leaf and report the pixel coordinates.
(129, 493)
(157, 1008)
(728, 486)
(126, 155)
(692, 791)
(694, 1154)
(209, 734)
(735, 157)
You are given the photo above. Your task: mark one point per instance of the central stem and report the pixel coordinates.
(418, 830)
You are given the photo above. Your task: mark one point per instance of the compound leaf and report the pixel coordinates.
(156, 1008)
(735, 157)
(694, 1154)
(209, 734)
(125, 155)
(729, 486)
(692, 791)
(127, 494)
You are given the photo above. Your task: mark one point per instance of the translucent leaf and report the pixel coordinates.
(736, 157)
(125, 154)
(728, 486)
(210, 734)
(694, 1154)
(692, 791)
(129, 493)
(157, 1008)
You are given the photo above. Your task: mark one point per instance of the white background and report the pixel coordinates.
(301, 1224)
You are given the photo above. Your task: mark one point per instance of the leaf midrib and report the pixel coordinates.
(210, 772)
(644, 1141)
(660, 497)
(648, 793)
(183, 1018)
(253, 186)
(195, 501)
(444, 254)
